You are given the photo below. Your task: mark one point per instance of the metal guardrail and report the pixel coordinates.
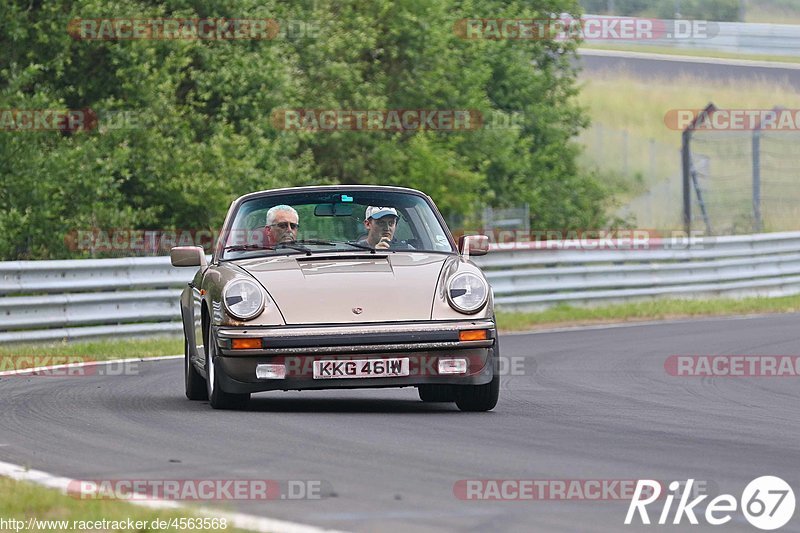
(746, 38)
(764, 264)
(731, 37)
(54, 300)
(78, 299)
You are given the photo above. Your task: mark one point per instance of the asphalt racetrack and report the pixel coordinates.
(654, 67)
(592, 404)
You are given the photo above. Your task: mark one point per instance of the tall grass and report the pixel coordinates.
(623, 101)
(773, 11)
(629, 137)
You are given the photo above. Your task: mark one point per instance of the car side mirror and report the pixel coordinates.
(188, 256)
(473, 245)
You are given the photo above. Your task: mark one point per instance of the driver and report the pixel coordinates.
(282, 224)
(381, 223)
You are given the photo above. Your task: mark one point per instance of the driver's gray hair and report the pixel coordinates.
(273, 212)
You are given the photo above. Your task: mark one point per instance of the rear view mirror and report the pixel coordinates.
(188, 256)
(333, 210)
(473, 245)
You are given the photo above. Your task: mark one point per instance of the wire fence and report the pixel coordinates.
(746, 181)
(647, 173)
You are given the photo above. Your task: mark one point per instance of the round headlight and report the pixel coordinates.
(467, 292)
(243, 299)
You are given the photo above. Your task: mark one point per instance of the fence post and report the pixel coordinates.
(686, 161)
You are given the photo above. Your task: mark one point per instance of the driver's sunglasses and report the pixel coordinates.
(285, 225)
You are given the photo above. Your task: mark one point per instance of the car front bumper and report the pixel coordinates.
(424, 344)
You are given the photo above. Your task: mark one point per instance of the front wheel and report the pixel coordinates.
(478, 397)
(218, 398)
(194, 383)
(481, 397)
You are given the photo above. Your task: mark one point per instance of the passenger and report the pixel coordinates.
(381, 223)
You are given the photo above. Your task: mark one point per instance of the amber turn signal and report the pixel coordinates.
(473, 335)
(246, 344)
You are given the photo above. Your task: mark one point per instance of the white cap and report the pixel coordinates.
(380, 212)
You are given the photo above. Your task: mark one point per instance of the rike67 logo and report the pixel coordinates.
(767, 503)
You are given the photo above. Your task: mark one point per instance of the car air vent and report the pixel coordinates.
(349, 265)
(340, 258)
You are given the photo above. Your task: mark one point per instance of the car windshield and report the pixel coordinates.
(340, 221)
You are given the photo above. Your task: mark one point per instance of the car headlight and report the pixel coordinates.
(243, 299)
(467, 292)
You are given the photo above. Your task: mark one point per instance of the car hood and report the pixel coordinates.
(346, 288)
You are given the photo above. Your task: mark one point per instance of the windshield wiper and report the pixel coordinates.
(245, 247)
(251, 247)
(335, 243)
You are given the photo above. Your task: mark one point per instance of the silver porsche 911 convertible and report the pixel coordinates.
(338, 287)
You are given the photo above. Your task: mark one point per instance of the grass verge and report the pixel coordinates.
(103, 350)
(23, 501)
(566, 315)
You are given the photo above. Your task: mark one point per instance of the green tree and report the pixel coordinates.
(198, 133)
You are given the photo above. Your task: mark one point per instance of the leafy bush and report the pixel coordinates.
(202, 133)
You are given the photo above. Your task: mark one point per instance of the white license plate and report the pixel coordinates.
(361, 368)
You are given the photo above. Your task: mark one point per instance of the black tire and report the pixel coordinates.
(437, 393)
(478, 397)
(482, 397)
(194, 383)
(218, 398)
